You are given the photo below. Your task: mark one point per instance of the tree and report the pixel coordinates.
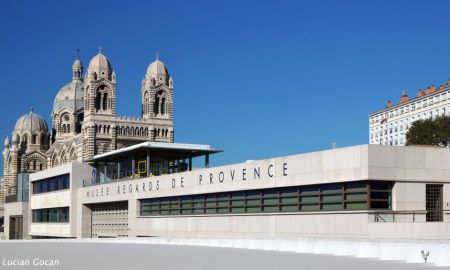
(430, 132)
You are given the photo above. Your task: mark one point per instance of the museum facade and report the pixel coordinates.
(362, 192)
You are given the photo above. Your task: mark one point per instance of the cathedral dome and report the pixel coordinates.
(69, 96)
(100, 65)
(31, 122)
(157, 68)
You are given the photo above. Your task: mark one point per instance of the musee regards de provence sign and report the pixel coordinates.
(181, 180)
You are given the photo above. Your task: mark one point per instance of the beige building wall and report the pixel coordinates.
(63, 198)
(411, 168)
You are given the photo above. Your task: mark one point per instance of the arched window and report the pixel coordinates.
(163, 106)
(68, 128)
(105, 101)
(146, 103)
(156, 106)
(33, 139)
(97, 101)
(160, 106)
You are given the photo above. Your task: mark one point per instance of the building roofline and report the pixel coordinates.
(206, 149)
(446, 88)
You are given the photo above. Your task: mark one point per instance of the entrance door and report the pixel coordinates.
(15, 227)
(110, 219)
(434, 203)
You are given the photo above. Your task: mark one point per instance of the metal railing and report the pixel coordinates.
(400, 216)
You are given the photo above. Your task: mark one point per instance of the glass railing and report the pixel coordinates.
(123, 176)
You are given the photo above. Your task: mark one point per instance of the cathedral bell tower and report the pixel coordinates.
(100, 87)
(157, 101)
(99, 106)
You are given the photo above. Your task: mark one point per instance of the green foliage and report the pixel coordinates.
(430, 132)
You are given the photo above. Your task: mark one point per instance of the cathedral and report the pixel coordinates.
(85, 123)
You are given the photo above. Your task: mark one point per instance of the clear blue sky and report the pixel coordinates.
(256, 78)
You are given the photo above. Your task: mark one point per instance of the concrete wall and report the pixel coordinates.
(62, 198)
(408, 196)
(17, 209)
(262, 225)
(410, 167)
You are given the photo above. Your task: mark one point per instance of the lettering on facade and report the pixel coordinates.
(259, 173)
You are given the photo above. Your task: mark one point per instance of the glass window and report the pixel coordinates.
(51, 215)
(51, 184)
(360, 195)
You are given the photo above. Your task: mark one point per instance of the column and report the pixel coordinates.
(207, 161)
(148, 163)
(132, 166)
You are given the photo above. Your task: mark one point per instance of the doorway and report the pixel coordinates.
(15, 227)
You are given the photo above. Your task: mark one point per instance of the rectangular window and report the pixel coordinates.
(51, 215)
(55, 183)
(360, 195)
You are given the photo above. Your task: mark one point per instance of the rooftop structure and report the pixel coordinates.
(146, 159)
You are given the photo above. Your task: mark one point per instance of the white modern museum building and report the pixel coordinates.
(150, 189)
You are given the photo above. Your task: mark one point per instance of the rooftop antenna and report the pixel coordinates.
(157, 55)
(78, 53)
(100, 49)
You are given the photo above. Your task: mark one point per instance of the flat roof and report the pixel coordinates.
(170, 150)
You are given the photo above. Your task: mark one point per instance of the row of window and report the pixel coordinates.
(55, 183)
(390, 141)
(383, 131)
(412, 107)
(398, 125)
(51, 215)
(361, 195)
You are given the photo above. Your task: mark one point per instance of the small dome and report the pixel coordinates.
(100, 64)
(157, 68)
(77, 63)
(31, 122)
(69, 96)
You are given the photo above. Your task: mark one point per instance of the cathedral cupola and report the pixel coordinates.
(68, 106)
(99, 67)
(31, 132)
(157, 73)
(77, 68)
